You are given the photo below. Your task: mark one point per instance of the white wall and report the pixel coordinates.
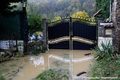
(4, 44)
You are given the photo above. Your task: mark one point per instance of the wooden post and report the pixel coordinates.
(45, 33)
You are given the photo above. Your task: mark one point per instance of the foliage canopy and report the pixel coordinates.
(35, 22)
(104, 5)
(5, 6)
(80, 14)
(56, 18)
(84, 17)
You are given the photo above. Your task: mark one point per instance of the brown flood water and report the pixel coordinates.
(75, 61)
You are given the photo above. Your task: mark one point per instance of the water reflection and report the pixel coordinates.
(56, 59)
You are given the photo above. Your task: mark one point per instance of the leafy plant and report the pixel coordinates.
(107, 63)
(106, 68)
(6, 7)
(84, 17)
(36, 47)
(53, 74)
(56, 18)
(35, 23)
(80, 14)
(106, 50)
(104, 5)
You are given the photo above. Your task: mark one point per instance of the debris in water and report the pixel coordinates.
(79, 74)
(88, 54)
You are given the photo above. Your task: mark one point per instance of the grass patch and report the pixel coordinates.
(107, 63)
(1, 77)
(53, 74)
(106, 68)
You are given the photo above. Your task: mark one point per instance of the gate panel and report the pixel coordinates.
(82, 46)
(60, 45)
(84, 30)
(58, 30)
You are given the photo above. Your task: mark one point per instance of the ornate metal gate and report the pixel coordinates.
(70, 34)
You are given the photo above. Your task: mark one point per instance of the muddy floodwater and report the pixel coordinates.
(76, 61)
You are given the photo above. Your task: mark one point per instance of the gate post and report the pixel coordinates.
(71, 47)
(70, 34)
(45, 36)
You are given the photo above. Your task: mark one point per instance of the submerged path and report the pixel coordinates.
(67, 59)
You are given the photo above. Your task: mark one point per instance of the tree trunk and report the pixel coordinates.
(116, 22)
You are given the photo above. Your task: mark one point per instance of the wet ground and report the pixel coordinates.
(76, 61)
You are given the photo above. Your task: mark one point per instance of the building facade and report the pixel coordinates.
(14, 27)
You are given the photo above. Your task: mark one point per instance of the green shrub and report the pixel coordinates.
(106, 68)
(107, 63)
(53, 75)
(36, 48)
(106, 50)
(34, 22)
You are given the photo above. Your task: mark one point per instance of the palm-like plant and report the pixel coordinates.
(106, 50)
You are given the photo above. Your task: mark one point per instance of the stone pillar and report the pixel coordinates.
(100, 30)
(116, 22)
